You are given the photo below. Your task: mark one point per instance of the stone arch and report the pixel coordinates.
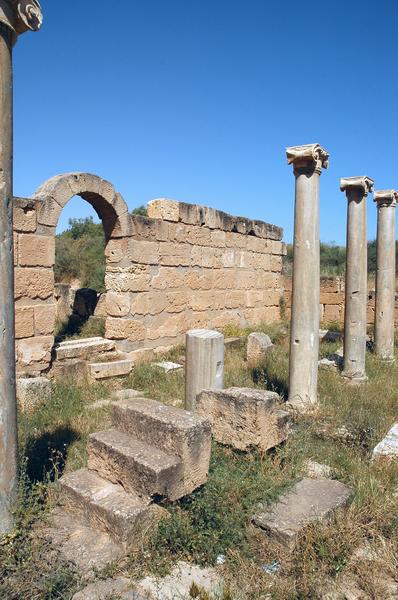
(56, 192)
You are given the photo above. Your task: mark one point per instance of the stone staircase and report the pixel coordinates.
(152, 452)
(97, 357)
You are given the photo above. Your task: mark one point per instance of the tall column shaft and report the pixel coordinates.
(385, 274)
(356, 283)
(304, 334)
(8, 411)
(304, 330)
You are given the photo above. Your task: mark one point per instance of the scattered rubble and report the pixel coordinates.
(258, 346)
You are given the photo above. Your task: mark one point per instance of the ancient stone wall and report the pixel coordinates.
(183, 266)
(332, 300)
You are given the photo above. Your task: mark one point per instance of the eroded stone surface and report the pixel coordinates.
(84, 349)
(316, 470)
(32, 391)
(174, 431)
(245, 417)
(258, 346)
(114, 368)
(310, 500)
(120, 588)
(388, 447)
(177, 585)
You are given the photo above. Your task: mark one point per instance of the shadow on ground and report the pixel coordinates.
(46, 454)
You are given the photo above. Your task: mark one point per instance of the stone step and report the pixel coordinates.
(87, 548)
(140, 468)
(84, 348)
(172, 430)
(310, 500)
(113, 368)
(108, 507)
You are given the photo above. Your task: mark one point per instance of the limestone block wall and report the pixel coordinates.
(183, 266)
(332, 300)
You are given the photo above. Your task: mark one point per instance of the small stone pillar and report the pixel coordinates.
(16, 16)
(308, 162)
(385, 274)
(204, 363)
(356, 276)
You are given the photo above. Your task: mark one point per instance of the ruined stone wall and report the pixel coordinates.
(332, 300)
(184, 266)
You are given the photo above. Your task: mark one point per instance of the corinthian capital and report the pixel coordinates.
(21, 15)
(364, 185)
(310, 157)
(386, 197)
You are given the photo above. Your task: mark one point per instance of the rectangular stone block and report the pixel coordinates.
(116, 250)
(117, 303)
(36, 250)
(309, 501)
(208, 300)
(163, 208)
(139, 467)
(174, 255)
(84, 348)
(333, 312)
(24, 215)
(168, 277)
(114, 368)
(144, 228)
(143, 252)
(276, 263)
(200, 279)
(331, 298)
(31, 392)
(172, 430)
(177, 301)
(33, 283)
(244, 417)
(149, 303)
(124, 329)
(24, 322)
(34, 351)
(332, 285)
(136, 279)
(44, 315)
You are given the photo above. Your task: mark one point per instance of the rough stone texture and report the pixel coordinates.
(115, 368)
(139, 467)
(184, 267)
(107, 507)
(245, 417)
(172, 430)
(89, 550)
(120, 588)
(84, 348)
(388, 447)
(316, 470)
(258, 346)
(32, 392)
(177, 585)
(310, 500)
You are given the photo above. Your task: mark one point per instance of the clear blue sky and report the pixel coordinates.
(197, 100)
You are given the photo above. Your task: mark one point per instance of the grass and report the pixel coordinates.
(215, 520)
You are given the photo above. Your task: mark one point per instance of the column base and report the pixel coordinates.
(298, 406)
(354, 379)
(386, 359)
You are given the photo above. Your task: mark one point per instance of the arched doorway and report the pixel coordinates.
(35, 222)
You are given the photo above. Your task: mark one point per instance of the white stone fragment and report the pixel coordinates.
(167, 366)
(388, 447)
(316, 470)
(32, 391)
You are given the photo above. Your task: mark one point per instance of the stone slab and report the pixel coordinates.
(141, 469)
(114, 368)
(107, 507)
(87, 549)
(310, 500)
(388, 447)
(168, 366)
(172, 430)
(245, 417)
(120, 588)
(126, 393)
(32, 391)
(177, 585)
(84, 348)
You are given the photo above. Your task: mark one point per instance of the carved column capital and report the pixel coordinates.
(21, 15)
(307, 158)
(386, 197)
(358, 186)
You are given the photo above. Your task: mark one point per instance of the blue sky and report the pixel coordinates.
(197, 101)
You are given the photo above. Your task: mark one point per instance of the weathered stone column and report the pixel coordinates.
(204, 363)
(385, 274)
(16, 16)
(308, 162)
(356, 277)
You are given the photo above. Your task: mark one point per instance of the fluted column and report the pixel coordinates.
(386, 201)
(356, 277)
(308, 162)
(16, 16)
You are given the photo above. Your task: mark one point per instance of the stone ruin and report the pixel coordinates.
(182, 267)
